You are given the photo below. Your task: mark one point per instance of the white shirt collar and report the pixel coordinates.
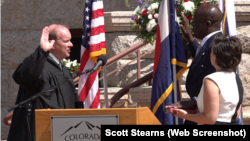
(207, 37)
(54, 58)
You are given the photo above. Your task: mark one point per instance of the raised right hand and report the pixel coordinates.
(185, 28)
(45, 43)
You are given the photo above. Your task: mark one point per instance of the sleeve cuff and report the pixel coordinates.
(195, 98)
(46, 53)
(194, 44)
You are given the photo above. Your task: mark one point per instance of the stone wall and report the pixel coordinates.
(118, 42)
(242, 8)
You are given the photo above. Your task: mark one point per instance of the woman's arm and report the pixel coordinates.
(211, 105)
(238, 113)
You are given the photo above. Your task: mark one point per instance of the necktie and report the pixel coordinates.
(60, 64)
(198, 49)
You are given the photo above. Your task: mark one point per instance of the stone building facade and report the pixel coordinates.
(22, 22)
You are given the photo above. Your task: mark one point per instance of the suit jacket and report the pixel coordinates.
(200, 67)
(38, 73)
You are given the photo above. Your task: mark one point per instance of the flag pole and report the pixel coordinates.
(105, 86)
(174, 78)
(175, 89)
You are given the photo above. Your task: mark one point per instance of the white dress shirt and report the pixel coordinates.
(206, 38)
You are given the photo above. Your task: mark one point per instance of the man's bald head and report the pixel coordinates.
(62, 45)
(53, 29)
(207, 19)
(209, 12)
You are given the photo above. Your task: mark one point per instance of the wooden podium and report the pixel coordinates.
(127, 116)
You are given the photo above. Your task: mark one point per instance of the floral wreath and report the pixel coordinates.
(144, 18)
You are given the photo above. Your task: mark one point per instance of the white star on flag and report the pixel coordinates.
(87, 17)
(88, 34)
(87, 9)
(87, 26)
(87, 1)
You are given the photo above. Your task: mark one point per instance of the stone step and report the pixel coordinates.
(140, 94)
(121, 103)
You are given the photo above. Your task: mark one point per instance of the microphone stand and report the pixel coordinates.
(28, 104)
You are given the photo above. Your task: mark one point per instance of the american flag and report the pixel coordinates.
(93, 45)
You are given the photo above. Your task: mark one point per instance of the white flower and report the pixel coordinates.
(155, 5)
(150, 16)
(156, 15)
(150, 8)
(137, 9)
(68, 64)
(151, 24)
(188, 6)
(74, 63)
(178, 20)
(133, 13)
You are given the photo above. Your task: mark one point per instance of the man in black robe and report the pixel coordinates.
(39, 72)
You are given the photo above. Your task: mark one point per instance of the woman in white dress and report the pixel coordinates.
(221, 95)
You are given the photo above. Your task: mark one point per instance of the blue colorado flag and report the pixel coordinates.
(169, 53)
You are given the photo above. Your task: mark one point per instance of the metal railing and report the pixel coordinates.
(139, 81)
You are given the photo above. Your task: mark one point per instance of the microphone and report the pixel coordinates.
(101, 61)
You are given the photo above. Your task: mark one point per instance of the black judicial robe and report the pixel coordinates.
(39, 72)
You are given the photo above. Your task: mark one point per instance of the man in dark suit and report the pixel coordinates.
(206, 25)
(39, 72)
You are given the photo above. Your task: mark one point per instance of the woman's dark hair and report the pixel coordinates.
(227, 51)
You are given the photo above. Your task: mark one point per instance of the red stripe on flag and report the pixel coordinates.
(96, 101)
(97, 13)
(85, 90)
(84, 59)
(97, 47)
(97, 30)
(157, 48)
